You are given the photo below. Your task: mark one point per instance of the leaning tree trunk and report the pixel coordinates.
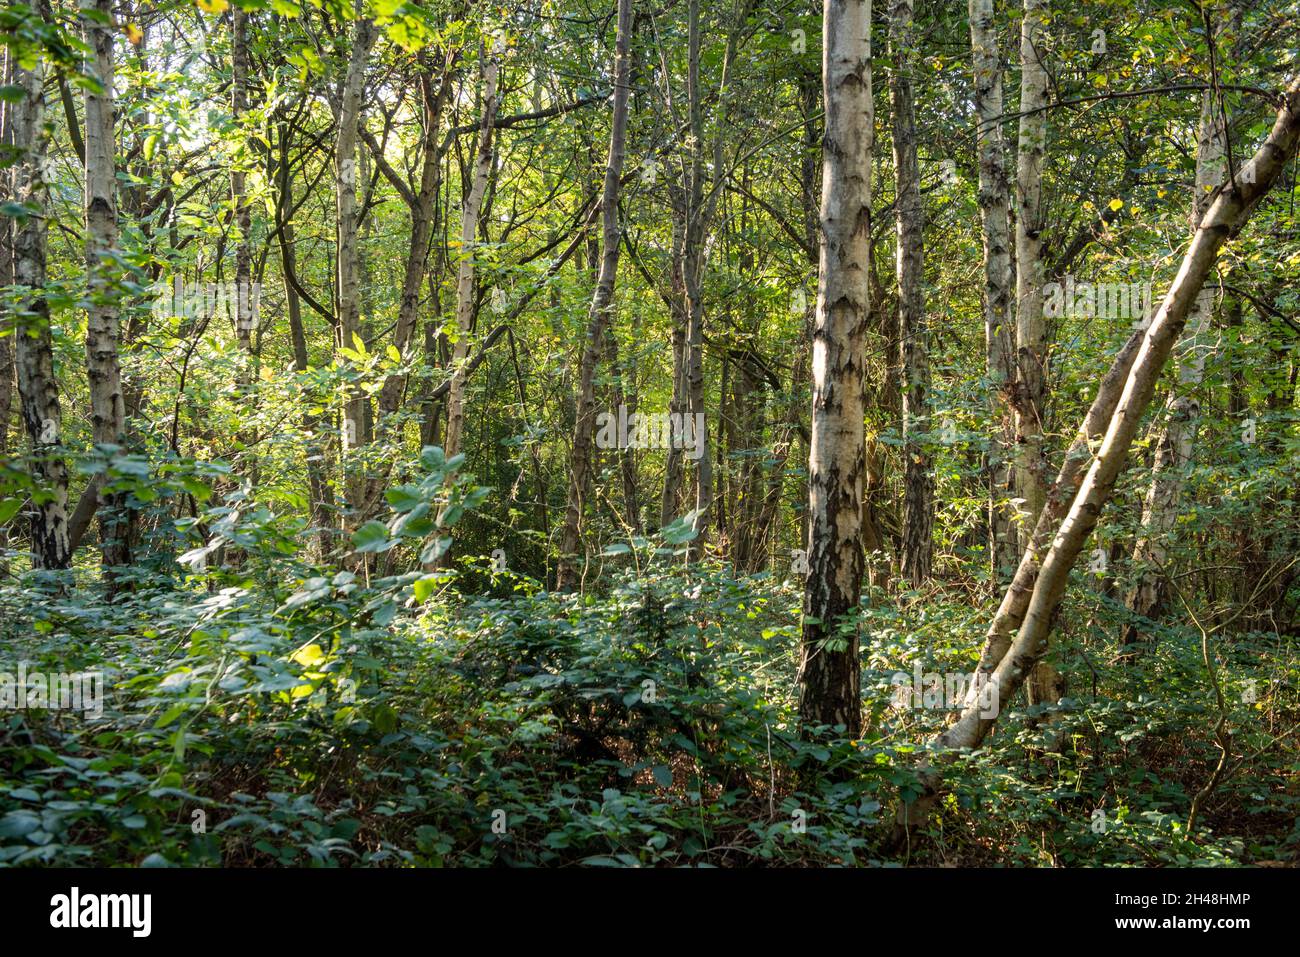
(918, 483)
(1088, 477)
(38, 389)
(107, 408)
(600, 315)
(829, 669)
(994, 214)
(348, 115)
(1182, 412)
(465, 270)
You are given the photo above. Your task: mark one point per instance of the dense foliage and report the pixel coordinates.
(339, 640)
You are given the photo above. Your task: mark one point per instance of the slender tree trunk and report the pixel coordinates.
(244, 298)
(918, 483)
(601, 313)
(829, 669)
(1031, 328)
(697, 223)
(623, 397)
(108, 411)
(321, 499)
(417, 255)
(678, 403)
(465, 271)
(994, 214)
(348, 115)
(1182, 411)
(1046, 685)
(6, 271)
(34, 353)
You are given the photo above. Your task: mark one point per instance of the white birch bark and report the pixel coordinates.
(829, 669)
(994, 205)
(465, 271)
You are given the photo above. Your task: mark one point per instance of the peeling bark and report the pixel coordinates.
(107, 406)
(38, 389)
(829, 669)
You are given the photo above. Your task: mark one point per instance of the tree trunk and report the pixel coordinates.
(601, 313)
(1046, 686)
(678, 403)
(6, 273)
(829, 669)
(918, 483)
(108, 411)
(465, 271)
(348, 115)
(321, 498)
(1031, 329)
(1182, 411)
(244, 298)
(697, 222)
(417, 254)
(34, 354)
(994, 203)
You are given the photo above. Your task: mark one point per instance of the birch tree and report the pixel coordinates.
(108, 410)
(239, 196)
(469, 219)
(38, 389)
(1031, 327)
(348, 116)
(829, 666)
(994, 205)
(1182, 411)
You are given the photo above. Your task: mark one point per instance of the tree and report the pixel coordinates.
(1182, 410)
(829, 666)
(38, 389)
(108, 410)
(918, 486)
(469, 223)
(602, 308)
(347, 111)
(994, 205)
(1031, 326)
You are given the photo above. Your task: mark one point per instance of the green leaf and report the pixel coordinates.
(424, 587)
(19, 823)
(170, 715)
(371, 537)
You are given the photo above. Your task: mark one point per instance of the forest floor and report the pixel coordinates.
(324, 722)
